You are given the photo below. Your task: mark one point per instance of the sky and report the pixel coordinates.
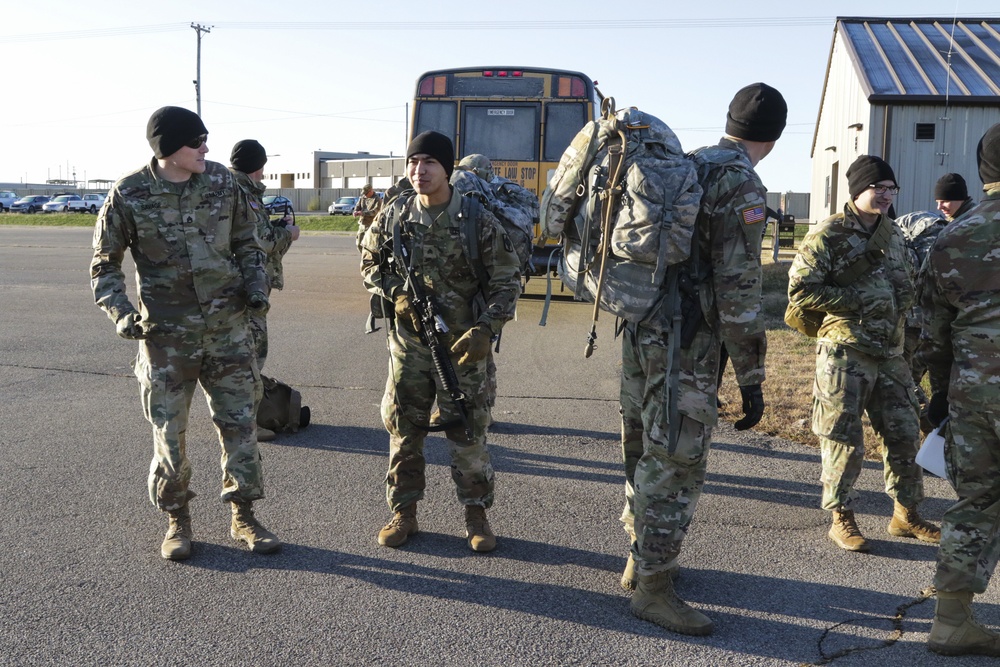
(83, 78)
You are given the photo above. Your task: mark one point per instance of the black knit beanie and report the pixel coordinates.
(868, 170)
(951, 187)
(757, 113)
(248, 156)
(988, 155)
(169, 128)
(437, 146)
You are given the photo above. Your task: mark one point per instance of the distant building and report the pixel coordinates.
(328, 169)
(905, 90)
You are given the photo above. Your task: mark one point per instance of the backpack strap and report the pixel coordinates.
(869, 254)
(468, 230)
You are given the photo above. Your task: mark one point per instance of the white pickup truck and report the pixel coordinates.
(88, 203)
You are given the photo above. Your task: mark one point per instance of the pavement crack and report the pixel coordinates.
(894, 636)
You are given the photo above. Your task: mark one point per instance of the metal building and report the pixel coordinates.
(918, 92)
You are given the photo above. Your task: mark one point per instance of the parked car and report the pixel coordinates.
(275, 204)
(94, 201)
(63, 204)
(6, 199)
(343, 206)
(29, 204)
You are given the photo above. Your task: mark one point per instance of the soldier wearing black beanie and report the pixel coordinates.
(868, 170)
(757, 113)
(988, 156)
(951, 187)
(248, 156)
(170, 128)
(437, 146)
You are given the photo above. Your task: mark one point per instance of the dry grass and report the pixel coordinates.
(791, 365)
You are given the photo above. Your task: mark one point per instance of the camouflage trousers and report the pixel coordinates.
(410, 390)
(168, 368)
(849, 384)
(663, 479)
(258, 329)
(911, 343)
(970, 529)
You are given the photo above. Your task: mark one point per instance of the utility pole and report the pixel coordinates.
(197, 82)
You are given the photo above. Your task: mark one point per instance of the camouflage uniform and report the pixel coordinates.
(368, 206)
(859, 358)
(450, 281)
(663, 480)
(275, 240)
(961, 348)
(196, 258)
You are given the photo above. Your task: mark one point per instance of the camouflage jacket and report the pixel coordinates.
(194, 247)
(961, 342)
(920, 229)
(438, 257)
(368, 207)
(729, 233)
(274, 239)
(868, 314)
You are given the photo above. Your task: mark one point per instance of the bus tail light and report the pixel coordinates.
(434, 85)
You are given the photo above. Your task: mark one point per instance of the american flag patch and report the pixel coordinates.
(753, 215)
(253, 205)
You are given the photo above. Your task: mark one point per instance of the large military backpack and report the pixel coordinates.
(281, 407)
(515, 218)
(624, 199)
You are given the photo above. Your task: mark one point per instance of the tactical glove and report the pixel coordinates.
(257, 303)
(405, 314)
(474, 345)
(937, 408)
(129, 326)
(753, 407)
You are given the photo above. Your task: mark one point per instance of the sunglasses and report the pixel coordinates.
(197, 141)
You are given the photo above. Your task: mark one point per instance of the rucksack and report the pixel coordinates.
(504, 204)
(624, 198)
(281, 407)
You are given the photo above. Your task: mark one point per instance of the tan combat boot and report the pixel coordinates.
(477, 529)
(246, 528)
(845, 533)
(655, 601)
(907, 523)
(265, 434)
(630, 578)
(177, 543)
(955, 631)
(400, 527)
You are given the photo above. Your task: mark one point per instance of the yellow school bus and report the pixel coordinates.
(522, 118)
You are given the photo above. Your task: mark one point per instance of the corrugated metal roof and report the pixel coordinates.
(925, 59)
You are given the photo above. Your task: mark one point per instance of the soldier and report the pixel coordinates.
(247, 165)
(855, 269)
(921, 229)
(413, 257)
(366, 209)
(199, 267)
(962, 350)
(664, 474)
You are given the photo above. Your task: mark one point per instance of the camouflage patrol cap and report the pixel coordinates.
(478, 164)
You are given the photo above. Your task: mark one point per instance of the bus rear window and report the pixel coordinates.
(437, 116)
(501, 131)
(562, 121)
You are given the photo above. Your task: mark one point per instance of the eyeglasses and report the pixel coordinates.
(197, 141)
(882, 189)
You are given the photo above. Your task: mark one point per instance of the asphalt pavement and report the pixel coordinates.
(83, 582)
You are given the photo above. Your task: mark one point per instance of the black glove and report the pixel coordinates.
(257, 303)
(753, 406)
(937, 409)
(129, 326)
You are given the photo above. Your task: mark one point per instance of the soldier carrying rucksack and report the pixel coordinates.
(667, 425)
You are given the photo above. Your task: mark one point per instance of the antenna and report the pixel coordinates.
(947, 87)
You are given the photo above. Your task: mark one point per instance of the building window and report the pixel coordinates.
(924, 132)
(826, 190)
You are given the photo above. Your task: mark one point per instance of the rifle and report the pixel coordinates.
(432, 328)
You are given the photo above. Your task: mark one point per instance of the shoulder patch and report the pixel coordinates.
(752, 215)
